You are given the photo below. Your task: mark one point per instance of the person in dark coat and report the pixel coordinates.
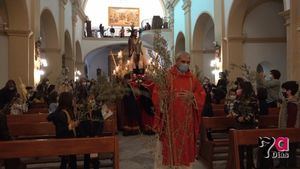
(14, 163)
(7, 94)
(91, 125)
(65, 125)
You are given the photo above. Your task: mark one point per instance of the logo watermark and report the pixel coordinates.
(275, 147)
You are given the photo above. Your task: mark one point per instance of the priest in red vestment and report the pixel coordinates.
(179, 127)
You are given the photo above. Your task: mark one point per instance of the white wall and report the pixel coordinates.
(97, 10)
(68, 19)
(3, 60)
(275, 53)
(265, 22)
(89, 45)
(98, 59)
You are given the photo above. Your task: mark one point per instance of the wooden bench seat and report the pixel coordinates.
(56, 147)
(215, 134)
(250, 137)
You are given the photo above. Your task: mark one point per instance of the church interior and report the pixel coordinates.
(106, 60)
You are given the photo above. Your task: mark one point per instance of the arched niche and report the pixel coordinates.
(50, 45)
(180, 43)
(68, 59)
(203, 46)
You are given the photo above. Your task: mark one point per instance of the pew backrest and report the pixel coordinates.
(56, 147)
(31, 130)
(27, 118)
(251, 137)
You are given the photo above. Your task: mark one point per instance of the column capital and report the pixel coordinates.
(21, 33)
(286, 16)
(64, 2)
(186, 6)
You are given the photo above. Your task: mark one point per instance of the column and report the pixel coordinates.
(18, 55)
(196, 59)
(289, 58)
(170, 8)
(187, 13)
(234, 55)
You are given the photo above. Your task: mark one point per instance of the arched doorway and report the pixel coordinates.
(256, 33)
(180, 43)
(79, 65)
(68, 59)
(50, 45)
(203, 46)
(101, 59)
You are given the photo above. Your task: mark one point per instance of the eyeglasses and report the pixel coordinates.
(184, 61)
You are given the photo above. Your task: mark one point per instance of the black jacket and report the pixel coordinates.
(60, 120)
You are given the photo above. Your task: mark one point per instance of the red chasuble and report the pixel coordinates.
(179, 143)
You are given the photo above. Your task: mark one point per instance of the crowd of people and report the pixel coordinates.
(76, 112)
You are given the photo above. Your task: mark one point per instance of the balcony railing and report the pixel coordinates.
(156, 22)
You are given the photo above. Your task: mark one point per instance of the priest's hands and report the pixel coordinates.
(186, 95)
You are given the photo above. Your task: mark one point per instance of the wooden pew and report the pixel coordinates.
(110, 127)
(56, 147)
(214, 138)
(250, 137)
(209, 143)
(37, 110)
(31, 130)
(219, 112)
(27, 118)
(274, 111)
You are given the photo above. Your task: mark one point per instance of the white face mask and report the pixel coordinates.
(183, 67)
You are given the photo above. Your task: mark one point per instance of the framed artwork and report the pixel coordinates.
(118, 16)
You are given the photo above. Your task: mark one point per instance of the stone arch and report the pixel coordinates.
(180, 43)
(203, 47)
(18, 17)
(68, 58)
(50, 44)
(101, 58)
(239, 38)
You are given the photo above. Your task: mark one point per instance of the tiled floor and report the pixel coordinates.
(137, 152)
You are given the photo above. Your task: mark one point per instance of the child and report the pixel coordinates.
(65, 125)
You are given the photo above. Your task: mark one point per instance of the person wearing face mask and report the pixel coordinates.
(7, 94)
(176, 147)
(245, 110)
(289, 117)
